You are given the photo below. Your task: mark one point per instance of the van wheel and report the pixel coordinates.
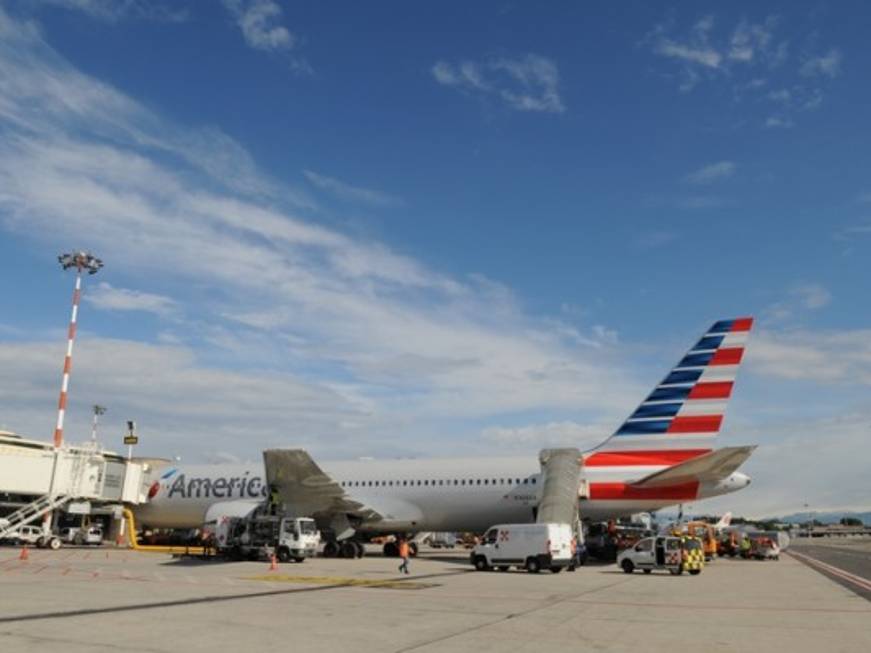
(481, 563)
(533, 566)
(555, 570)
(695, 572)
(627, 566)
(54, 544)
(647, 571)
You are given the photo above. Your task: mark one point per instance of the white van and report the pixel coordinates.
(530, 546)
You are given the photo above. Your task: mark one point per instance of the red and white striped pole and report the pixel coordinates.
(68, 363)
(80, 261)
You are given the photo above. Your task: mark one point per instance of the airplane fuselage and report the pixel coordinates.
(468, 494)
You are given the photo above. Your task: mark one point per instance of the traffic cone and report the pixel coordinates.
(273, 563)
(24, 554)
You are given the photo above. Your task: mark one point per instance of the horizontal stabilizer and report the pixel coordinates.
(710, 467)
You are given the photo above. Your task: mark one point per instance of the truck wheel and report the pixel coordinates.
(481, 563)
(533, 566)
(283, 555)
(627, 566)
(54, 543)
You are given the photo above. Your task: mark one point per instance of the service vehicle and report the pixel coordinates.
(442, 540)
(764, 548)
(34, 535)
(259, 535)
(82, 535)
(675, 554)
(707, 534)
(528, 546)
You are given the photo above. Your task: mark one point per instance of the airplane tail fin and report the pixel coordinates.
(724, 522)
(681, 418)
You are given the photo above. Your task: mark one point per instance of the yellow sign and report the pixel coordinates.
(131, 439)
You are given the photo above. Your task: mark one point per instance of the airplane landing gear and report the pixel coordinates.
(344, 549)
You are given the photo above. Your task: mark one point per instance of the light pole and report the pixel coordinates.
(81, 261)
(98, 410)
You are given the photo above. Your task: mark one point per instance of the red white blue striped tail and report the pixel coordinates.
(682, 416)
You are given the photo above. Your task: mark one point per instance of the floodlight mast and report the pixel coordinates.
(81, 261)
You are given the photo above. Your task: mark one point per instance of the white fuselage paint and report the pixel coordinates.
(412, 495)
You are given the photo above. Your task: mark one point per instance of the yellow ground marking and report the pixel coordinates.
(342, 580)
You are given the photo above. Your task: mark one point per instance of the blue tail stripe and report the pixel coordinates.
(656, 410)
(669, 394)
(682, 376)
(696, 360)
(723, 326)
(644, 428)
(708, 342)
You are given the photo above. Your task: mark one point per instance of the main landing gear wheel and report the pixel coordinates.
(331, 550)
(348, 549)
(391, 550)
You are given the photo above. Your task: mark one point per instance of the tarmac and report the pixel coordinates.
(103, 599)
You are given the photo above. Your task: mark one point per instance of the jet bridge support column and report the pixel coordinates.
(561, 479)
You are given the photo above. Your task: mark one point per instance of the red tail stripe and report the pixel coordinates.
(695, 424)
(729, 356)
(625, 492)
(718, 390)
(665, 458)
(743, 324)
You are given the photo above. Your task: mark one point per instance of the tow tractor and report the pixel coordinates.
(676, 554)
(257, 536)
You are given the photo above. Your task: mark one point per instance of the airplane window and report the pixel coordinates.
(455, 481)
(418, 482)
(478, 482)
(441, 482)
(533, 480)
(486, 481)
(370, 483)
(494, 481)
(391, 483)
(426, 482)
(526, 481)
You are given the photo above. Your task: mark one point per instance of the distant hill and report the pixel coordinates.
(826, 517)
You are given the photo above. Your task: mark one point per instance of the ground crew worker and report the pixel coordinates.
(403, 553)
(745, 547)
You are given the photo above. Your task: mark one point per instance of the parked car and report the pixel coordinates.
(82, 535)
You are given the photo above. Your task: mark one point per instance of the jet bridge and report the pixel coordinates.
(561, 485)
(37, 478)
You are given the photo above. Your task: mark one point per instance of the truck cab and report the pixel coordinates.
(299, 539)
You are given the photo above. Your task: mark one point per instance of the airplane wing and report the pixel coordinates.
(305, 490)
(713, 466)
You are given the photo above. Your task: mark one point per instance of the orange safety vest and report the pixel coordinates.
(403, 549)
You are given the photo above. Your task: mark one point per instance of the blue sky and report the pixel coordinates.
(400, 230)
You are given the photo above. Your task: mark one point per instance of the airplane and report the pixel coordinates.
(662, 455)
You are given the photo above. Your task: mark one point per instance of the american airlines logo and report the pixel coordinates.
(241, 487)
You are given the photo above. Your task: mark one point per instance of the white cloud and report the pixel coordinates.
(105, 297)
(551, 434)
(800, 299)
(270, 288)
(530, 83)
(711, 173)
(812, 295)
(824, 357)
(777, 122)
(115, 10)
(258, 20)
(703, 56)
(346, 191)
(827, 65)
